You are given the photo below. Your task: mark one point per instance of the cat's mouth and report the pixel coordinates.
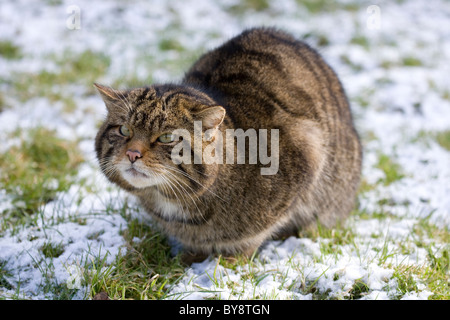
(136, 173)
(137, 178)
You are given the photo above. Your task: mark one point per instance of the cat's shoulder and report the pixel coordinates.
(267, 35)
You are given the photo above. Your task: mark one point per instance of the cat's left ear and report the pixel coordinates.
(211, 117)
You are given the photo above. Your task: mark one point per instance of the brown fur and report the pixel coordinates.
(261, 79)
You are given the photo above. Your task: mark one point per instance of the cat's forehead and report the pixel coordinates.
(144, 95)
(144, 100)
(137, 95)
(167, 94)
(154, 108)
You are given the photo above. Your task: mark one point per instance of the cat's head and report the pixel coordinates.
(135, 143)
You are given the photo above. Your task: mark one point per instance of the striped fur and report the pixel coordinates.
(263, 79)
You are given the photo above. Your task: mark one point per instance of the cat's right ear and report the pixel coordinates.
(110, 96)
(107, 93)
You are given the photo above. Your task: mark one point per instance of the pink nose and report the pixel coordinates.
(133, 155)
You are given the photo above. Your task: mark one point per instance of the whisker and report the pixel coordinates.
(186, 192)
(168, 182)
(181, 189)
(191, 178)
(124, 100)
(107, 167)
(124, 108)
(173, 175)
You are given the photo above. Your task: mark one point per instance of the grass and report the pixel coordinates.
(411, 62)
(243, 7)
(3, 275)
(354, 66)
(320, 6)
(9, 50)
(358, 290)
(436, 243)
(37, 168)
(361, 41)
(391, 169)
(51, 250)
(83, 69)
(146, 270)
(332, 242)
(170, 44)
(443, 138)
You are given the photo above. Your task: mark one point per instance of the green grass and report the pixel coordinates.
(320, 6)
(51, 250)
(404, 62)
(411, 62)
(9, 51)
(243, 7)
(391, 169)
(436, 241)
(3, 275)
(144, 272)
(358, 290)
(83, 69)
(443, 138)
(170, 44)
(33, 171)
(434, 275)
(361, 41)
(355, 66)
(2, 102)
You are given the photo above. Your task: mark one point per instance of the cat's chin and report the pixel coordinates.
(138, 179)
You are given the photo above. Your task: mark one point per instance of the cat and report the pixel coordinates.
(262, 79)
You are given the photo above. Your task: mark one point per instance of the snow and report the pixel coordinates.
(403, 102)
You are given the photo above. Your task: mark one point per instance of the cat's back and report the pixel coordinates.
(266, 78)
(267, 70)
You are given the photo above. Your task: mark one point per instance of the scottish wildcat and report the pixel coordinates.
(260, 79)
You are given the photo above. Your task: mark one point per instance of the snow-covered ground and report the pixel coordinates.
(393, 59)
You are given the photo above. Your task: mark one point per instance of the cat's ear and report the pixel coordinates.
(111, 97)
(211, 117)
(107, 93)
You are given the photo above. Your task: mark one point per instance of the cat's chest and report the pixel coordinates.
(166, 208)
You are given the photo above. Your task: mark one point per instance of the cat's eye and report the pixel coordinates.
(166, 138)
(125, 131)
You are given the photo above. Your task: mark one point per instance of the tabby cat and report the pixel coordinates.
(261, 79)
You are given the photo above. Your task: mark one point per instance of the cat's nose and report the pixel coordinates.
(133, 155)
